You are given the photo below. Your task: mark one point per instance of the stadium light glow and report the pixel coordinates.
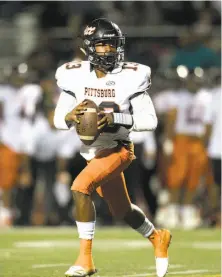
(198, 71)
(182, 71)
(22, 68)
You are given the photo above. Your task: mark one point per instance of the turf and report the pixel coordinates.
(118, 252)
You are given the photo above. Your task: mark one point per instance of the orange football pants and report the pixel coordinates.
(9, 166)
(104, 174)
(189, 163)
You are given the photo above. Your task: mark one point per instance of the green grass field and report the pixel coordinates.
(39, 252)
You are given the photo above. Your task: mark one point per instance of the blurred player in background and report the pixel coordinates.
(49, 151)
(164, 100)
(10, 146)
(185, 147)
(121, 89)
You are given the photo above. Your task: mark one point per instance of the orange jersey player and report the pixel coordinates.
(122, 89)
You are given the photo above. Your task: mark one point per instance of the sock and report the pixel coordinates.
(86, 230)
(146, 229)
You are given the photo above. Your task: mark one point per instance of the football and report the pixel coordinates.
(87, 128)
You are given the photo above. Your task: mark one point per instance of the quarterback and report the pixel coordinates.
(119, 89)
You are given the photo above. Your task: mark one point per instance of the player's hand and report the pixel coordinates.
(25, 179)
(106, 120)
(63, 177)
(72, 117)
(168, 149)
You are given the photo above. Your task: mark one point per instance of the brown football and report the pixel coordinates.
(87, 128)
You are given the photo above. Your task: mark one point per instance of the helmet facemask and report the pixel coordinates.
(105, 61)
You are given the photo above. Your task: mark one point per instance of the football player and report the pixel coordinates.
(185, 147)
(10, 148)
(121, 92)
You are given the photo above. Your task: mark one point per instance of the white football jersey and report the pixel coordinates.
(164, 101)
(28, 97)
(111, 93)
(191, 112)
(45, 143)
(11, 124)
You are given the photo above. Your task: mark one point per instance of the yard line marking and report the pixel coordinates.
(113, 244)
(207, 245)
(47, 265)
(99, 244)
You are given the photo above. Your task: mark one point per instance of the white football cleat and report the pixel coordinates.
(78, 271)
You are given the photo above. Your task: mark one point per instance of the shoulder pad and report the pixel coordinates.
(141, 75)
(145, 73)
(67, 72)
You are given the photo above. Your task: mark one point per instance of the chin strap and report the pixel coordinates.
(84, 52)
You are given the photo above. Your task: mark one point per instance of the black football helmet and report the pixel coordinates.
(106, 32)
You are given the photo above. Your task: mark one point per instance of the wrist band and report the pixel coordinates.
(122, 119)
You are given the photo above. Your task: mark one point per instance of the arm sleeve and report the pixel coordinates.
(65, 104)
(143, 113)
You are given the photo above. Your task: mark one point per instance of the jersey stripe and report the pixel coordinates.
(70, 93)
(134, 96)
(138, 93)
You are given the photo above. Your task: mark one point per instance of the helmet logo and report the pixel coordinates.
(89, 30)
(109, 35)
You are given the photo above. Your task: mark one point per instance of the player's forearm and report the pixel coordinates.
(65, 104)
(144, 115)
(169, 132)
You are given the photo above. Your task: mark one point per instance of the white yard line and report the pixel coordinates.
(106, 245)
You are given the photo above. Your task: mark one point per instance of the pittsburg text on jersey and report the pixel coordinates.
(99, 92)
